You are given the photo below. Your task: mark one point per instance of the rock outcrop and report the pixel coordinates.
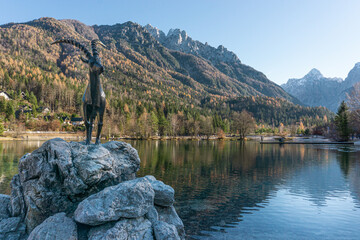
(56, 227)
(12, 228)
(4, 206)
(164, 231)
(132, 229)
(130, 199)
(169, 215)
(164, 194)
(68, 190)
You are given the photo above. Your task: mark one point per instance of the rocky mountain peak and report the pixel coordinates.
(316, 90)
(353, 76)
(178, 33)
(179, 40)
(81, 28)
(219, 58)
(178, 37)
(155, 32)
(314, 74)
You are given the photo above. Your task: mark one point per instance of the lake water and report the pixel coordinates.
(232, 190)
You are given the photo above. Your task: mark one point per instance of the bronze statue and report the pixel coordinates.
(94, 97)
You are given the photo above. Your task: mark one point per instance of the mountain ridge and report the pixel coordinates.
(316, 90)
(221, 58)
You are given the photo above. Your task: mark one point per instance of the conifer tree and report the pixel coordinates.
(342, 122)
(9, 111)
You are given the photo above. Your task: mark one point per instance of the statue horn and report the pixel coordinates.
(76, 44)
(94, 48)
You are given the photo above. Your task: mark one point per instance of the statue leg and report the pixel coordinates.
(87, 124)
(91, 125)
(100, 124)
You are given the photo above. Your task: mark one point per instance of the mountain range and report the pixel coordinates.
(316, 90)
(223, 60)
(144, 70)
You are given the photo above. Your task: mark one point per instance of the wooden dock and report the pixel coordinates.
(329, 143)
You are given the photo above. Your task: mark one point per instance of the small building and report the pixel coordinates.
(76, 121)
(65, 120)
(23, 110)
(23, 95)
(5, 95)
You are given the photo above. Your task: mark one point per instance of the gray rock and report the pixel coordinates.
(56, 227)
(152, 215)
(127, 229)
(9, 224)
(169, 215)
(4, 206)
(130, 199)
(17, 201)
(165, 231)
(164, 194)
(12, 228)
(59, 175)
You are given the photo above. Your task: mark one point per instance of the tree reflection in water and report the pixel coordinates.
(10, 154)
(218, 182)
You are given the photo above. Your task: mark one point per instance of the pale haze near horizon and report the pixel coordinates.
(282, 39)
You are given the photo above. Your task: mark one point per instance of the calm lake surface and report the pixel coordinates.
(232, 190)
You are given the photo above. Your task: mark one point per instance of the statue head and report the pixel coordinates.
(93, 60)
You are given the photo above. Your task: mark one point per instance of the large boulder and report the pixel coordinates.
(59, 175)
(126, 229)
(56, 227)
(165, 231)
(4, 206)
(152, 215)
(130, 199)
(78, 192)
(12, 229)
(169, 215)
(17, 201)
(164, 194)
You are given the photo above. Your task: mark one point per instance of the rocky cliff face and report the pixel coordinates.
(316, 90)
(76, 191)
(179, 40)
(221, 59)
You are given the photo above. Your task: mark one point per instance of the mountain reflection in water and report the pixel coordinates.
(218, 184)
(234, 190)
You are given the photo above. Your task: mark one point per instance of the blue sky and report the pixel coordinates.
(283, 39)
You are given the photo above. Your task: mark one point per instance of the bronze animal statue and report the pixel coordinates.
(94, 97)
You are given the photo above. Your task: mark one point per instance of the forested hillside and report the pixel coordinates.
(150, 89)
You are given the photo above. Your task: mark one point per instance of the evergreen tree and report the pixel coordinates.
(10, 112)
(342, 122)
(2, 105)
(154, 123)
(162, 125)
(2, 129)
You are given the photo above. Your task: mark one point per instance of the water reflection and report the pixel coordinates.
(228, 189)
(10, 153)
(219, 183)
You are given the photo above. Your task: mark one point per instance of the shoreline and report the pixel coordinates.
(40, 136)
(44, 136)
